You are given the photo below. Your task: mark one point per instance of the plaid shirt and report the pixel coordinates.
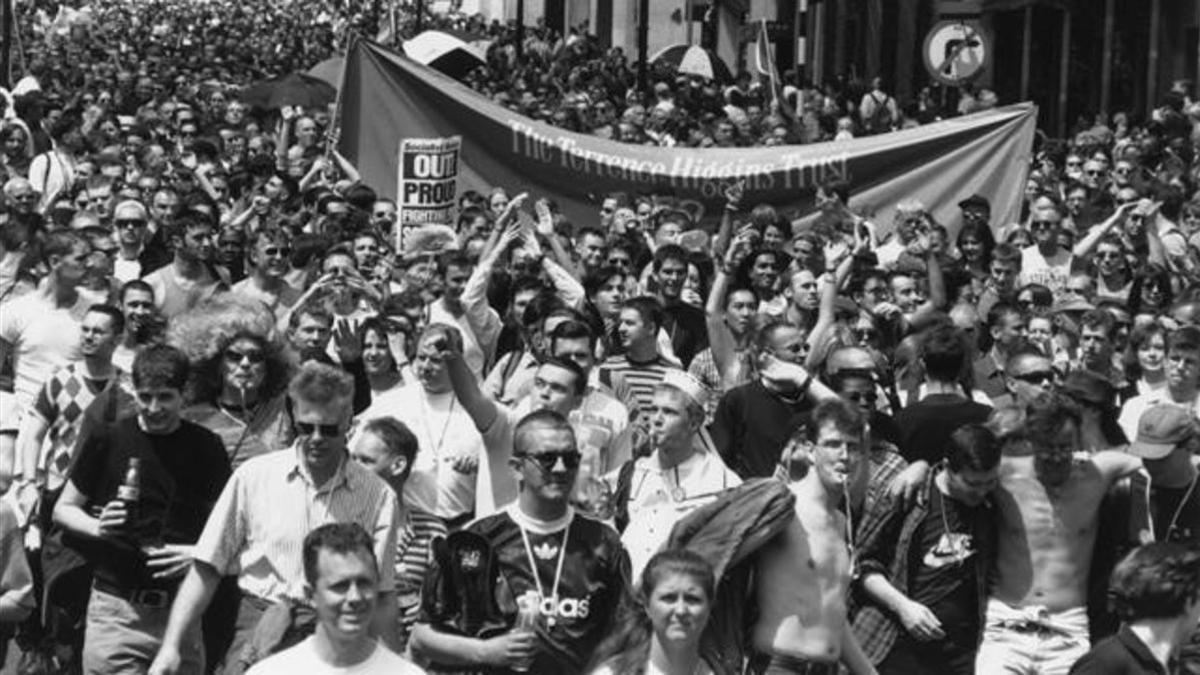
(885, 537)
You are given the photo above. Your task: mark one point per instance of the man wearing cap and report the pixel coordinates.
(1163, 504)
(975, 210)
(1183, 381)
(683, 472)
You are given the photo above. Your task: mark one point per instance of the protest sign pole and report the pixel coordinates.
(643, 39)
(332, 138)
(6, 32)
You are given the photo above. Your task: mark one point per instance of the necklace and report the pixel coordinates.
(437, 445)
(677, 492)
(537, 578)
(1178, 509)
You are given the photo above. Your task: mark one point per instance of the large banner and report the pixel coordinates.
(386, 97)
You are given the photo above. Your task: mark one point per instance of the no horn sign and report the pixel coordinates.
(956, 52)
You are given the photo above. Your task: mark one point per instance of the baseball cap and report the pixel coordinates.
(975, 201)
(1160, 429)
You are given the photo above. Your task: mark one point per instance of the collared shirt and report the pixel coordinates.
(885, 538)
(258, 526)
(1120, 654)
(659, 498)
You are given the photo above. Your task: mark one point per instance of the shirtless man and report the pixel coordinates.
(1048, 501)
(802, 625)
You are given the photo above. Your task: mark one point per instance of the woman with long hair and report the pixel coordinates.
(239, 375)
(975, 243)
(16, 150)
(662, 635)
(383, 370)
(1145, 359)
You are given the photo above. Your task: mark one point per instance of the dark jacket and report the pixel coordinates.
(727, 533)
(887, 537)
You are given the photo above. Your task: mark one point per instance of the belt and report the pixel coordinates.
(154, 598)
(1029, 626)
(794, 665)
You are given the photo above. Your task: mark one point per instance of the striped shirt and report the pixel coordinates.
(258, 526)
(634, 381)
(414, 551)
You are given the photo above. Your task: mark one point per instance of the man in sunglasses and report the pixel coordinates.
(269, 256)
(1027, 374)
(1046, 262)
(139, 255)
(270, 504)
(570, 573)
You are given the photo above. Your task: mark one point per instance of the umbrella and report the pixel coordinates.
(695, 60)
(445, 53)
(299, 89)
(329, 70)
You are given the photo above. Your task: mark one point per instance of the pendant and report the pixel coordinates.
(678, 494)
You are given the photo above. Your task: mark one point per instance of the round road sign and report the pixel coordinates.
(956, 51)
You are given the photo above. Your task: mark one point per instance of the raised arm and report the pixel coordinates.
(720, 339)
(1084, 247)
(482, 409)
(733, 199)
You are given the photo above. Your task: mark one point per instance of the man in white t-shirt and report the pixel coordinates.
(1046, 262)
(342, 583)
(444, 471)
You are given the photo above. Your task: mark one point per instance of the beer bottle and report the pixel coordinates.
(130, 490)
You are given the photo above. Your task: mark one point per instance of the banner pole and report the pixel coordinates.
(335, 134)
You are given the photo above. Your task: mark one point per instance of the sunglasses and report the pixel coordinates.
(1094, 173)
(234, 356)
(1036, 377)
(546, 461)
(1043, 225)
(862, 397)
(129, 222)
(277, 250)
(327, 430)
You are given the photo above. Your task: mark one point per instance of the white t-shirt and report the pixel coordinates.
(43, 337)
(444, 432)
(1050, 272)
(303, 658)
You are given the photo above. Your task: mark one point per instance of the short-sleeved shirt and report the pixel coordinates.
(593, 588)
(182, 474)
(303, 658)
(257, 528)
(941, 566)
(444, 432)
(61, 404)
(43, 337)
(414, 551)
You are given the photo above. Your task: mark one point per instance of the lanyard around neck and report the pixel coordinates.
(537, 578)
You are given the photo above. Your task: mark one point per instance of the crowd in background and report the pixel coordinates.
(573, 446)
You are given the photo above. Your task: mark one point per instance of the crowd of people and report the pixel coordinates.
(240, 432)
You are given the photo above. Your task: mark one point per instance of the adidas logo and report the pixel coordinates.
(545, 551)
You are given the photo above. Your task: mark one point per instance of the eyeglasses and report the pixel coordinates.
(234, 356)
(861, 397)
(129, 222)
(546, 461)
(1094, 173)
(1043, 224)
(327, 430)
(27, 197)
(1036, 377)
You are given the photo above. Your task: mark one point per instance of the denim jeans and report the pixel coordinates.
(1031, 641)
(122, 637)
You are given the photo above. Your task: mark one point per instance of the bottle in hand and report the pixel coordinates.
(130, 490)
